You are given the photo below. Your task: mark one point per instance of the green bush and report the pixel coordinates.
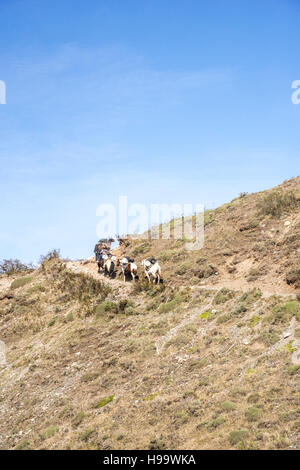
(49, 432)
(104, 401)
(228, 406)
(105, 307)
(253, 413)
(85, 435)
(237, 436)
(36, 289)
(20, 282)
(215, 423)
(78, 419)
(223, 296)
(23, 445)
(169, 306)
(292, 370)
(283, 313)
(129, 311)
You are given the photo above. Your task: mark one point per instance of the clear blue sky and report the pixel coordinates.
(163, 101)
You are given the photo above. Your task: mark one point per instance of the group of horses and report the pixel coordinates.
(107, 263)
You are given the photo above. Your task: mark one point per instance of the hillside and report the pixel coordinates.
(210, 359)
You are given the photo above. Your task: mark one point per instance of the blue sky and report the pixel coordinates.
(162, 101)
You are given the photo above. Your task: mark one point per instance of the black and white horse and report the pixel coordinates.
(152, 270)
(128, 268)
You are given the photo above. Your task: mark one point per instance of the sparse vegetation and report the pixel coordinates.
(104, 401)
(49, 432)
(238, 436)
(253, 413)
(200, 360)
(276, 202)
(14, 266)
(20, 282)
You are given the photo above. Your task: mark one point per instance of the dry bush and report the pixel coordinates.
(14, 266)
(276, 202)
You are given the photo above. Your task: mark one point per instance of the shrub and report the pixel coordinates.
(237, 436)
(23, 445)
(284, 312)
(52, 321)
(104, 401)
(105, 307)
(78, 419)
(169, 306)
(223, 296)
(205, 272)
(49, 432)
(85, 435)
(206, 315)
(228, 406)
(239, 310)
(292, 370)
(20, 282)
(269, 337)
(253, 398)
(36, 289)
(250, 296)
(276, 202)
(167, 255)
(293, 276)
(80, 286)
(141, 248)
(13, 266)
(215, 423)
(53, 254)
(253, 274)
(90, 376)
(224, 318)
(254, 320)
(253, 413)
(129, 311)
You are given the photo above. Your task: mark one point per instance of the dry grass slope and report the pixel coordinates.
(208, 359)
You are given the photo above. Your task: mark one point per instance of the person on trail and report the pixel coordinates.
(97, 251)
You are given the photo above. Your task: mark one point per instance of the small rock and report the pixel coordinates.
(286, 334)
(287, 223)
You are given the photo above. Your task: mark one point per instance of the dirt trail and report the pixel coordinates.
(90, 268)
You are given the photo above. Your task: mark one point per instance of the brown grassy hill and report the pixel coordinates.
(208, 359)
(251, 241)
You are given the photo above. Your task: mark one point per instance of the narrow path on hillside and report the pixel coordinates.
(89, 267)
